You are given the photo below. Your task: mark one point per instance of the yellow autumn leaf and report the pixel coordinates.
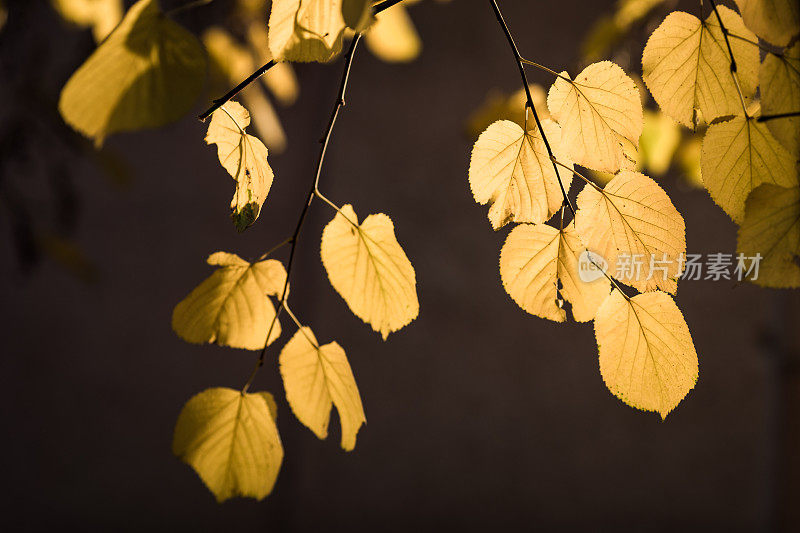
(780, 93)
(775, 21)
(147, 73)
(688, 157)
(686, 66)
(647, 357)
(316, 378)
(306, 30)
(231, 307)
(771, 228)
(511, 169)
(369, 269)
(245, 159)
(632, 224)
(540, 264)
(393, 37)
(600, 113)
(357, 14)
(280, 79)
(101, 15)
(738, 156)
(230, 439)
(660, 139)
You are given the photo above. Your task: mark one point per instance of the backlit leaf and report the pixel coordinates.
(101, 15)
(775, 21)
(771, 228)
(231, 441)
(535, 259)
(147, 73)
(647, 357)
(369, 269)
(660, 139)
(738, 156)
(306, 30)
(686, 66)
(316, 378)
(231, 307)
(511, 170)
(780, 93)
(393, 37)
(600, 113)
(632, 224)
(245, 159)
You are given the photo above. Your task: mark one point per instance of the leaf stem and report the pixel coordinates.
(312, 192)
(529, 99)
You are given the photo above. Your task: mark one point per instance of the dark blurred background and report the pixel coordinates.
(480, 416)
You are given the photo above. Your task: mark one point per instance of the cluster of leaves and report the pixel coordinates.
(647, 357)
(710, 71)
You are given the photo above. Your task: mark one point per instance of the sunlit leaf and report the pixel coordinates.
(600, 113)
(659, 141)
(369, 269)
(147, 73)
(245, 159)
(357, 14)
(780, 93)
(316, 378)
(686, 66)
(231, 307)
(230, 439)
(771, 228)
(393, 37)
(632, 224)
(775, 21)
(539, 265)
(738, 156)
(101, 15)
(500, 106)
(306, 30)
(511, 169)
(647, 357)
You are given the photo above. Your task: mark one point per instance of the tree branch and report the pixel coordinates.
(529, 99)
(730, 53)
(312, 192)
(764, 118)
(216, 104)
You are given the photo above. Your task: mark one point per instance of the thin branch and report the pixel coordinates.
(529, 99)
(764, 118)
(312, 192)
(219, 102)
(377, 8)
(730, 53)
(187, 6)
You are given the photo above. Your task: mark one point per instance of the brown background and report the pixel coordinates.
(480, 416)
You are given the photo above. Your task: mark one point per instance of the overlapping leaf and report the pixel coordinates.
(306, 30)
(316, 378)
(231, 307)
(539, 264)
(647, 356)
(231, 441)
(511, 169)
(600, 113)
(771, 229)
(780, 93)
(738, 156)
(393, 37)
(147, 73)
(369, 269)
(775, 21)
(632, 224)
(686, 66)
(245, 159)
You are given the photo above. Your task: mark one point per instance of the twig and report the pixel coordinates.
(312, 192)
(529, 103)
(730, 53)
(764, 118)
(377, 8)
